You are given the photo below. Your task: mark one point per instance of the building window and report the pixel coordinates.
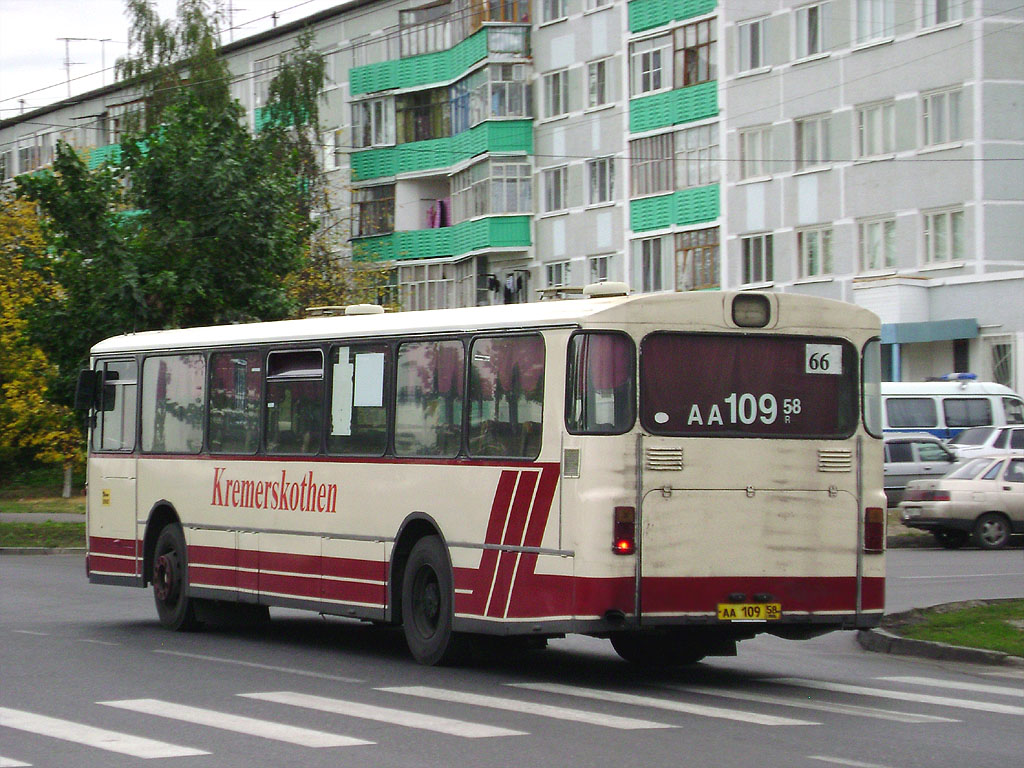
(751, 45)
(697, 260)
(598, 269)
(695, 53)
(423, 115)
(876, 130)
(877, 244)
(558, 274)
(875, 19)
(555, 181)
(648, 60)
(601, 176)
(492, 187)
(552, 10)
(427, 286)
(940, 117)
(373, 123)
(943, 236)
(263, 71)
(938, 12)
(597, 83)
(697, 156)
(810, 30)
(647, 264)
(505, 92)
(757, 259)
(593, 5)
(373, 210)
(556, 93)
(334, 149)
(651, 162)
(755, 151)
(814, 247)
(812, 144)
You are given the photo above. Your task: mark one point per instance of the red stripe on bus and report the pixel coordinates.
(353, 592)
(106, 546)
(513, 537)
(199, 554)
(350, 568)
(479, 579)
(200, 576)
(295, 586)
(527, 584)
(104, 564)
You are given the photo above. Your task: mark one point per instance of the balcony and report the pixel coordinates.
(478, 234)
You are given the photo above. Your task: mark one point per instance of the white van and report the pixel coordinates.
(944, 408)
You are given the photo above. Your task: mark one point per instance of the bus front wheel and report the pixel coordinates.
(428, 604)
(170, 581)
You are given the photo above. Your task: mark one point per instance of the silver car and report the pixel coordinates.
(983, 500)
(987, 441)
(913, 456)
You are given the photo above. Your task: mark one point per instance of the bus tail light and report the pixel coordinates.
(874, 530)
(624, 531)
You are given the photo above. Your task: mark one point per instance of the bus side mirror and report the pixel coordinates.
(87, 390)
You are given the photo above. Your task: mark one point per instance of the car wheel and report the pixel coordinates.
(951, 539)
(991, 531)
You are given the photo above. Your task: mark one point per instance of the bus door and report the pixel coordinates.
(739, 503)
(111, 479)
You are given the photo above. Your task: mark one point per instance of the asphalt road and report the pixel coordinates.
(87, 678)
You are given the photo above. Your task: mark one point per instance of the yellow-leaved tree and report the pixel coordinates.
(32, 429)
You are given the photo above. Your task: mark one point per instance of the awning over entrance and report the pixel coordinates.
(934, 330)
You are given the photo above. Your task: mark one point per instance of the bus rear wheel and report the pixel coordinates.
(428, 604)
(657, 650)
(170, 581)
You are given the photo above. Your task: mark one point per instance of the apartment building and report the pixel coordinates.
(498, 151)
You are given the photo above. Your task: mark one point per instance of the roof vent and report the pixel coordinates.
(364, 309)
(601, 290)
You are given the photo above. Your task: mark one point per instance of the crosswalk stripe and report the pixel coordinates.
(845, 761)
(998, 690)
(101, 738)
(385, 715)
(239, 724)
(527, 707)
(658, 703)
(10, 762)
(823, 706)
(921, 698)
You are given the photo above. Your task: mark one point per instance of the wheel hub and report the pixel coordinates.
(165, 577)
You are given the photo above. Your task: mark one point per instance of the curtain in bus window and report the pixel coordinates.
(506, 391)
(428, 403)
(358, 411)
(967, 412)
(911, 412)
(115, 419)
(294, 397)
(602, 388)
(173, 392)
(235, 380)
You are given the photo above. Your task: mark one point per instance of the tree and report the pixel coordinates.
(31, 427)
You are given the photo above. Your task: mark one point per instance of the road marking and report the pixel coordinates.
(921, 698)
(844, 761)
(10, 762)
(254, 665)
(385, 715)
(239, 724)
(97, 642)
(29, 632)
(658, 703)
(842, 709)
(998, 690)
(527, 707)
(101, 738)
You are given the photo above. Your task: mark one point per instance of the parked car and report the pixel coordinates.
(982, 500)
(987, 441)
(913, 456)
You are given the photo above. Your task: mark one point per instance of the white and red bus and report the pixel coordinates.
(675, 471)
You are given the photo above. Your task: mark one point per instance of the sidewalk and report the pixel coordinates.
(41, 517)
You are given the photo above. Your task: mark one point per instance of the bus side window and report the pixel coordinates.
(115, 418)
(911, 412)
(428, 401)
(358, 402)
(235, 379)
(295, 382)
(173, 392)
(506, 396)
(601, 384)
(967, 411)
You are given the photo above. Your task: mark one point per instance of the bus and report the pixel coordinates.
(674, 472)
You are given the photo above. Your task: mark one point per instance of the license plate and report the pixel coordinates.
(749, 611)
(911, 512)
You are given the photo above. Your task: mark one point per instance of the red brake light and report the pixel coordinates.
(874, 530)
(624, 531)
(926, 495)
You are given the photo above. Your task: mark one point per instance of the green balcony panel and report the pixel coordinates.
(427, 68)
(489, 232)
(683, 105)
(681, 208)
(423, 243)
(492, 136)
(648, 14)
(380, 248)
(97, 156)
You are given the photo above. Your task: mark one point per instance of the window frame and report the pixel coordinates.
(876, 129)
(951, 118)
(757, 267)
(886, 241)
(751, 55)
(650, 65)
(653, 172)
(817, 152)
(697, 165)
(873, 21)
(810, 30)
(755, 167)
(556, 188)
(954, 235)
(556, 94)
(599, 92)
(814, 251)
(601, 177)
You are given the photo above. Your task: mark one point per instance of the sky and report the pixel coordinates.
(32, 57)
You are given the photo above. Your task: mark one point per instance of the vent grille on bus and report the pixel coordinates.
(835, 460)
(664, 459)
(571, 462)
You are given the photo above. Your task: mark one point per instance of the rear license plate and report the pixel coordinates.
(911, 512)
(749, 611)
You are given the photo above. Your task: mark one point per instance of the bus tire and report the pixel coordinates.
(656, 650)
(175, 608)
(428, 604)
(992, 531)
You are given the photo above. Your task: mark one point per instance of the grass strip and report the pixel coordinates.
(994, 627)
(49, 534)
(49, 504)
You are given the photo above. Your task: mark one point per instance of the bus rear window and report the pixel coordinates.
(748, 386)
